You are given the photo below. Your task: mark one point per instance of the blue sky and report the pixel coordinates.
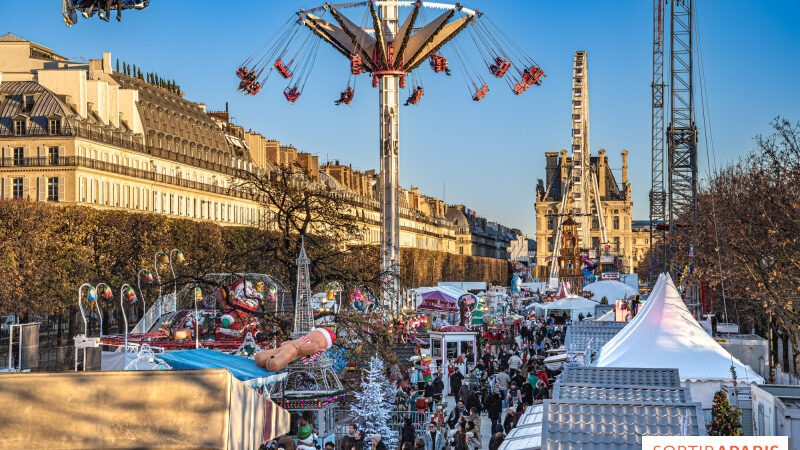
(487, 155)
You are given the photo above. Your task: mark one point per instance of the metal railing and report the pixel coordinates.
(89, 163)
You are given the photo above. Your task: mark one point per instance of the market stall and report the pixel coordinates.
(573, 305)
(450, 343)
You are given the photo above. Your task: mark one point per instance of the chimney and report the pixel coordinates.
(564, 171)
(107, 63)
(624, 167)
(601, 172)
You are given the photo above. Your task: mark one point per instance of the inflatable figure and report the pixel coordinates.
(307, 347)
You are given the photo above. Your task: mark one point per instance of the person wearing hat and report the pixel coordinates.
(305, 437)
(377, 444)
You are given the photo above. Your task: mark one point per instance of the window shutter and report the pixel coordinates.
(42, 189)
(26, 153)
(38, 152)
(6, 187)
(26, 185)
(62, 151)
(62, 188)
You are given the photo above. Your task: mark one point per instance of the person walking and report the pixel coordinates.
(494, 407)
(407, 432)
(455, 383)
(503, 381)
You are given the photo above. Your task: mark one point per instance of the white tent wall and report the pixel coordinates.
(664, 334)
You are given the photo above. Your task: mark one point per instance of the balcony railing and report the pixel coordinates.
(80, 161)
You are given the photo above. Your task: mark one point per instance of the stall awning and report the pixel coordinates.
(438, 295)
(240, 367)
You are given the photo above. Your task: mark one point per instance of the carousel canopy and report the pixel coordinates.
(664, 334)
(242, 368)
(612, 290)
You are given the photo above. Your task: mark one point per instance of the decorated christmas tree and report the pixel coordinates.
(724, 417)
(373, 406)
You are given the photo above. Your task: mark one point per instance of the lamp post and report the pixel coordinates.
(148, 278)
(104, 290)
(178, 258)
(91, 295)
(198, 295)
(130, 295)
(164, 260)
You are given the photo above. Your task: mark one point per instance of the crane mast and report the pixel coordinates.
(658, 195)
(681, 137)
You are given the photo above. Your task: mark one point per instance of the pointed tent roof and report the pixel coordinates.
(664, 334)
(563, 291)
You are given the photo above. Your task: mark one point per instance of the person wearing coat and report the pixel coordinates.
(434, 440)
(494, 407)
(407, 432)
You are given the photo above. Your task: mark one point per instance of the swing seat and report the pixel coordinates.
(291, 94)
(345, 97)
(255, 88)
(519, 88)
(480, 93)
(242, 72)
(532, 75)
(374, 81)
(402, 81)
(355, 64)
(439, 63)
(282, 69)
(500, 67)
(416, 96)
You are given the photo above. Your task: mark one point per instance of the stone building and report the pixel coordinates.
(478, 236)
(616, 206)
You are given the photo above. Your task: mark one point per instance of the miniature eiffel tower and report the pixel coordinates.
(303, 315)
(305, 379)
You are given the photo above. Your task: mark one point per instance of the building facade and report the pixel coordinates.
(86, 133)
(614, 214)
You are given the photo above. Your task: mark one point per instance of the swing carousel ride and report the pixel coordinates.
(391, 51)
(88, 8)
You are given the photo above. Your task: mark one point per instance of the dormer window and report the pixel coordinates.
(28, 104)
(19, 127)
(55, 126)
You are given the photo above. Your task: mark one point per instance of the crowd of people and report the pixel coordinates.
(507, 377)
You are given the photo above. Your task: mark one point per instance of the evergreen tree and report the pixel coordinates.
(139, 75)
(117, 66)
(372, 408)
(724, 417)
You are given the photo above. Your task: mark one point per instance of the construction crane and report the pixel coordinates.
(669, 239)
(682, 137)
(658, 195)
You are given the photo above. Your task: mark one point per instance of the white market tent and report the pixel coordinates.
(612, 290)
(664, 334)
(574, 305)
